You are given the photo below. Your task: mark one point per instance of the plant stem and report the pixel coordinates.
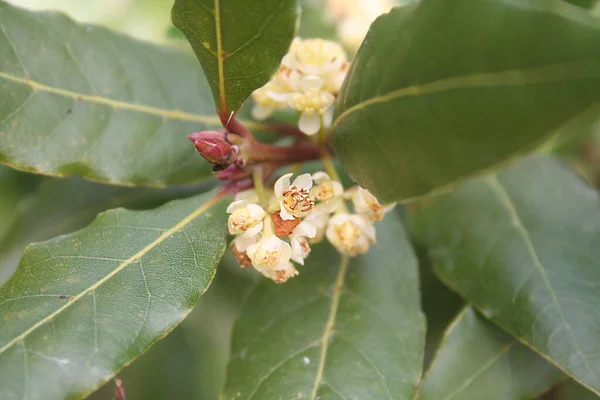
(260, 152)
(259, 185)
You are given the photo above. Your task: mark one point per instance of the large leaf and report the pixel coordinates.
(14, 186)
(442, 89)
(477, 360)
(439, 303)
(338, 330)
(239, 43)
(523, 247)
(60, 206)
(81, 100)
(573, 391)
(82, 306)
(189, 364)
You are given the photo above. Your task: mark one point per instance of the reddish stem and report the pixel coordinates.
(259, 152)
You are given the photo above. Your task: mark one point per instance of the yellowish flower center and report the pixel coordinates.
(240, 221)
(297, 200)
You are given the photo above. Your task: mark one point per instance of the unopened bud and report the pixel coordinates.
(214, 147)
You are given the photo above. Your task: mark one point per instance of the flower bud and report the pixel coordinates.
(214, 147)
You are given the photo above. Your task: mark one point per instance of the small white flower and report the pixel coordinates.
(250, 195)
(323, 58)
(294, 200)
(268, 99)
(312, 103)
(319, 220)
(245, 218)
(326, 188)
(239, 246)
(280, 274)
(300, 246)
(269, 253)
(350, 234)
(367, 205)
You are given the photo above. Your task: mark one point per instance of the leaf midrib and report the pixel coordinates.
(329, 325)
(119, 104)
(513, 77)
(188, 219)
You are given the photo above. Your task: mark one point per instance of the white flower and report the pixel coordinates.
(322, 58)
(350, 234)
(367, 205)
(312, 103)
(250, 195)
(280, 274)
(354, 17)
(294, 200)
(239, 246)
(269, 253)
(245, 219)
(268, 99)
(300, 246)
(319, 220)
(327, 191)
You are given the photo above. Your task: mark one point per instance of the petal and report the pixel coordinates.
(286, 251)
(303, 181)
(271, 243)
(282, 184)
(305, 229)
(285, 214)
(328, 117)
(235, 205)
(250, 195)
(250, 250)
(320, 177)
(338, 189)
(256, 211)
(311, 83)
(243, 243)
(309, 123)
(261, 112)
(276, 96)
(254, 230)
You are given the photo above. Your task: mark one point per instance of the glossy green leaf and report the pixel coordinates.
(14, 185)
(573, 391)
(338, 330)
(439, 303)
(476, 360)
(82, 306)
(443, 89)
(584, 3)
(239, 43)
(60, 206)
(523, 247)
(81, 100)
(189, 364)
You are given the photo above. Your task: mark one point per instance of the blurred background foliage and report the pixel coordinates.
(190, 362)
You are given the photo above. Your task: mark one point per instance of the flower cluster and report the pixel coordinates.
(274, 230)
(308, 81)
(354, 17)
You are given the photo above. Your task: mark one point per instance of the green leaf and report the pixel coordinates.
(522, 246)
(339, 329)
(239, 43)
(476, 360)
(60, 206)
(81, 100)
(571, 390)
(14, 186)
(443, 89)
(439, 303)
(190, 362)
(82, 306)
(584, 3)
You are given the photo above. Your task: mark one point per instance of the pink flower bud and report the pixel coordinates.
(214, 147)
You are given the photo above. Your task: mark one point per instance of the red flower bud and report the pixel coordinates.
(214, 147)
